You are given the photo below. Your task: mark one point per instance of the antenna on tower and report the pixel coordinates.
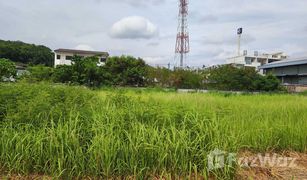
(182, 41)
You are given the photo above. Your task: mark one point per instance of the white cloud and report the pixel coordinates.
(153, 44)
(226, 40)
(294, 50)
(84, 47)
(134, 27)
(157, 60)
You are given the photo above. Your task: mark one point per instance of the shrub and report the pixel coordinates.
(7, 69)
(272, 83)
(63, 74)
(229, 78)
(39, 73)
(186, 79)
(126, 71)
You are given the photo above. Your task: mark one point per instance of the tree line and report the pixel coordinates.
(24, 53)
(134, 72)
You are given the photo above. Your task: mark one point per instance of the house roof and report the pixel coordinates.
(74, 51)
(284, 63)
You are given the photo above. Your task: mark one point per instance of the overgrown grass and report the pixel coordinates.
(74, 132)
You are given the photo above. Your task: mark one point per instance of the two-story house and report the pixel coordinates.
(64, 56)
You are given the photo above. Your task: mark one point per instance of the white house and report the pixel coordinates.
(64, 56)
(256, 60)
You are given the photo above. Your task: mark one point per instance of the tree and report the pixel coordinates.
(62, 74)
(267, 83)
(127, 70)
(227, 77)
(187, 79)
(7, 69)
(159, 76)
(85, 71)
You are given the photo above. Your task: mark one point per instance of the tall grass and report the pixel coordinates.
(74, 132)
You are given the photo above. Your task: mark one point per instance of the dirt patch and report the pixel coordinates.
(286, 165)
(29, 177)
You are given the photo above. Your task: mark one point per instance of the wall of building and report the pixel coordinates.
(289, 70)
(290, 74)
(64, 61)
(236, 60)
(256, 60)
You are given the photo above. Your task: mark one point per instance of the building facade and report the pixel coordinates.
(64, 56)
(256, 60)
(292, 73)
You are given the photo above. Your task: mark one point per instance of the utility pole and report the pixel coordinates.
(239, 32)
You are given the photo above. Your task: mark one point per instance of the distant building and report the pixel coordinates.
(64, 56)
(21, 69)
(292, 73)
(256, 60)
(289, 72)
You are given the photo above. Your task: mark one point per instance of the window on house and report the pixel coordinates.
(103, 60)
(58, 56)
(248, 61)
(68, 57)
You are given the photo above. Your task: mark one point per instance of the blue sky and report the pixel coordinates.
(147, 28)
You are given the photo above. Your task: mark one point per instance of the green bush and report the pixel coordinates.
(126, 71)
(38, 73)
(83, 71)
(7, 69)
(63, 74)
(229, 78)
(272, 83)
(178, 78)
(186, 79)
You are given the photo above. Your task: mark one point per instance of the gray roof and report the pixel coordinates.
(74, 51)
(284, 63)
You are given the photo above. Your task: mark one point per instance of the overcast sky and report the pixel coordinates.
(147, 28)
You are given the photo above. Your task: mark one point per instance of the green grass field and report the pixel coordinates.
(75, 132)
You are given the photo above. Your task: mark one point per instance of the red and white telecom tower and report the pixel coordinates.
(182, 42)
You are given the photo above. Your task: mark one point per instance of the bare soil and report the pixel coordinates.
(287, 171)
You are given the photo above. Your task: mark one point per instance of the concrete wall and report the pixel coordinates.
(236, 60)
(62, 60)
(296, 88)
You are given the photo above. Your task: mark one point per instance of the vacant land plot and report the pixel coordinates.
(60, 131)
